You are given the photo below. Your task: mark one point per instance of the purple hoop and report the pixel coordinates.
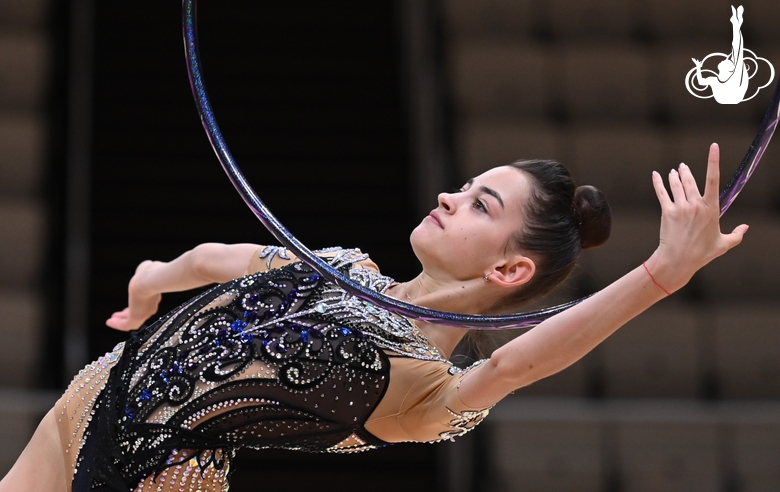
(521, 320)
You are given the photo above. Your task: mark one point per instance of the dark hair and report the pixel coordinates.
(559, 220)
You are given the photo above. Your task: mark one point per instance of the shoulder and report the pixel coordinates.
(271, 257)
(422, 403)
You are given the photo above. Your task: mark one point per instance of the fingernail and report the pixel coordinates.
(682, 164)
(673, 171)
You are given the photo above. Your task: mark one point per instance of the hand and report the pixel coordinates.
(141, 303)
(690, 225)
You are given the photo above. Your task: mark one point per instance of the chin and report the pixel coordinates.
(424, 245)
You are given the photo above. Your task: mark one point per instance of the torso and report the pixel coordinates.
(275, 359)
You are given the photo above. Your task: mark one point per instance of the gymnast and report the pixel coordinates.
(275, 355)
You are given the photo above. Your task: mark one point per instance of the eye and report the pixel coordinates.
(479, 206)
(457, 190)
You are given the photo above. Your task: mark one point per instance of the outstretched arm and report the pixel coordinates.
(690, 238)
(205, 264)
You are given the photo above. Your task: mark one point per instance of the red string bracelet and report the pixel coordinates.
(644, 263)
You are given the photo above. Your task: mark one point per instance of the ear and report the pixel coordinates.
(518, 271)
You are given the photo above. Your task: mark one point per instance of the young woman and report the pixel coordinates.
(274, 356)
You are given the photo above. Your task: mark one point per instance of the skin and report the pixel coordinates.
(465, 239)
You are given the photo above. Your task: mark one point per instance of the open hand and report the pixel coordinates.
(690, 224)
(141, 303)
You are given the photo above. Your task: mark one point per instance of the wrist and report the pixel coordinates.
(665, 273)
(140, 286)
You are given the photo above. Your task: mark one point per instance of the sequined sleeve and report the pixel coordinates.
(422, 403)
(270, 257)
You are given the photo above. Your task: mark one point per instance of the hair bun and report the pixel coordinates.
(594, 215)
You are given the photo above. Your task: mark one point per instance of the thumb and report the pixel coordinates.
(736, 235)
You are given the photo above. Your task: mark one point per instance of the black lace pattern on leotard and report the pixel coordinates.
(278, 359)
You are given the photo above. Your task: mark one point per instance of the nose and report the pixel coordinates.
(446, 202)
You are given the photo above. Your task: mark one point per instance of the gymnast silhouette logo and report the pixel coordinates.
(735, 70)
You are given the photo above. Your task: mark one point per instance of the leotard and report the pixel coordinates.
(279, 358)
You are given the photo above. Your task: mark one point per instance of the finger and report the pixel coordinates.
(660, 190)
(118, 318)
(677, 188)
(688, 182)
(116, 323)
(712, 184)
(736, 235)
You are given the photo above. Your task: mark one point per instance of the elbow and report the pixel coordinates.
(511, 370)
(516, 368)
(202, 258)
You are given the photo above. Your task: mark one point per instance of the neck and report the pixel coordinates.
(452, 295)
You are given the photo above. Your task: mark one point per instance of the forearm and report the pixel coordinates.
(205, 264)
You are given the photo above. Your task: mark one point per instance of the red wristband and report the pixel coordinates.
(644, 263)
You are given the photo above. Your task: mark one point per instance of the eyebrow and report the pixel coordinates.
(489, 191)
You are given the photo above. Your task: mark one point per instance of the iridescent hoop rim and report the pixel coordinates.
(285, 237)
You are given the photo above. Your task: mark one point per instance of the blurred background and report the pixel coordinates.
(348, 118)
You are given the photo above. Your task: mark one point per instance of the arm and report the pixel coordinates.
(205, 264)
(690, 238)
(701, 80)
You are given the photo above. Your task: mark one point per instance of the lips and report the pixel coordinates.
(435, 217)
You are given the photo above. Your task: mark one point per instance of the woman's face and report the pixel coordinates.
(468, 234)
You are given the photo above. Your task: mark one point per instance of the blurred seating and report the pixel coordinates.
(547, 456)
(757, 456)
(619, 161)
(21, 154)
(21, 314)
(16, 14)
(21, 242)
(486, 144)
(499, 79)
(668, 456)
(594, 19)
(600, 86)
(763, 17)
(747, 350)
(657, 354)
(634, 238)
(603, 82)
(749, 272)
(673, 21)
(23, 71)
(489, 18)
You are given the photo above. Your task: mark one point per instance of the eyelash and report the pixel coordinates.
(477, 203)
